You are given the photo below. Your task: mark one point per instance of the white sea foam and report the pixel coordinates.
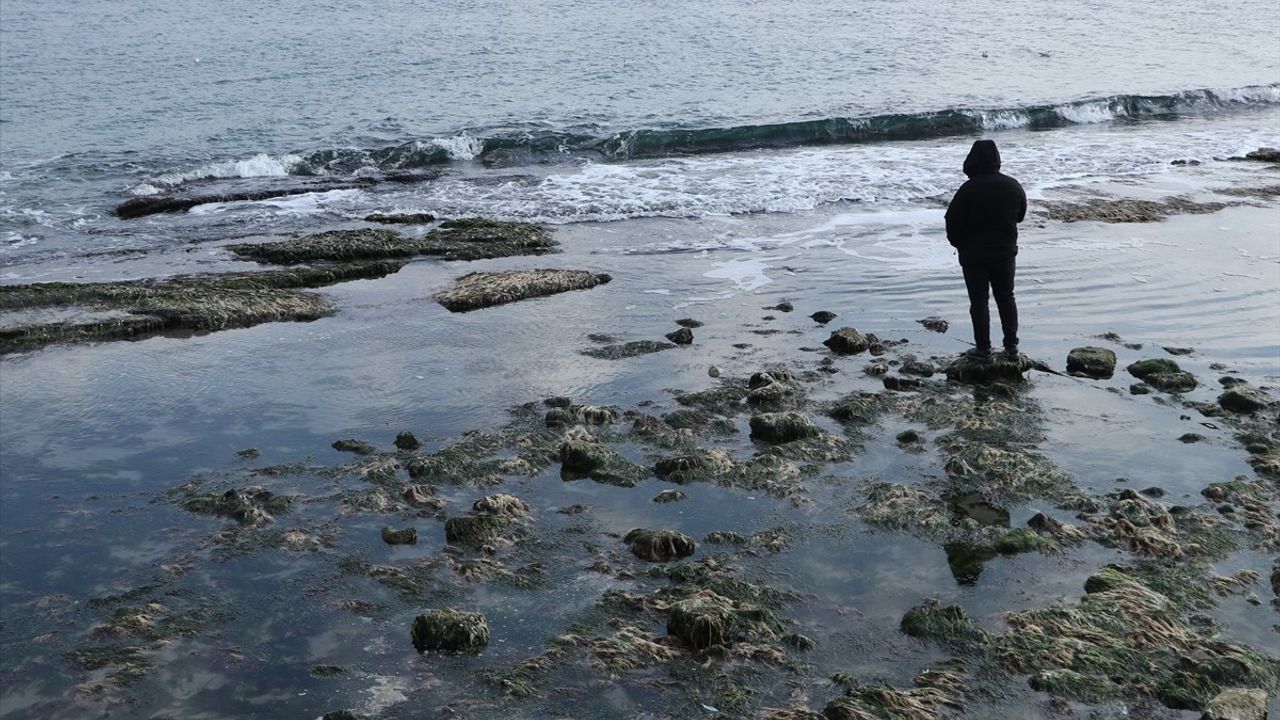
(260, 165)
(1087, 113)
(460, 147)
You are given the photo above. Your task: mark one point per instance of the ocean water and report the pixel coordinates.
(564, 111)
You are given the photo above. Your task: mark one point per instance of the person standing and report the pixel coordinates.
(982, 224)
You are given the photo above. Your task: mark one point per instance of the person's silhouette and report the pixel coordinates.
(982, 224)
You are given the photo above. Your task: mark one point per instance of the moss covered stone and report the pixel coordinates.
(1094, 362)
(783, 427)
(476, 530)
(450, 630)
(847, 341)
(659, 545)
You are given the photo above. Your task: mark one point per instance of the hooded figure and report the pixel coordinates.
(982, 224)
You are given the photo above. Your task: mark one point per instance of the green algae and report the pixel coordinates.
(1124, 637)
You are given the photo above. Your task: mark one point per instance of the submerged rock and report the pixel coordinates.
(822, 317)
(1094, 362)
(628, 349)
(1264, 154)
(683, 336)
(155, 204)
(400, 218)
(902, 384)
(784, 427)
(487, 289)
(701, 466)
(847, 341)
(407, 441)
(359, 447)
(658, 545)
(1126, 210)
(450, 630)
(935, 324)
(689, 323)
(669, 496)
(405, 536)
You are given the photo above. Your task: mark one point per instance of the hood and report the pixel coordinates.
(984, 158)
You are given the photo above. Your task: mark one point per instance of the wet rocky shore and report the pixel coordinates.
(581, 556)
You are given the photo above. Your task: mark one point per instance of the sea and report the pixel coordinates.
(569, 111)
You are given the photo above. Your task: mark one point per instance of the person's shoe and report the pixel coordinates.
(1011, 352)
(979, 354)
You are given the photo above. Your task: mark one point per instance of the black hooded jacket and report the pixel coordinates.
(983, 217)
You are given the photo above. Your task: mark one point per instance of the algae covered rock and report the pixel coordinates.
(1022, 540)
(783, 427)
(502, 505)
(847, 341)
(669, 496)
(698, 466)
(703, 620)
(359, 447)
(999, 368)
(935, 324)
(822, 317)
(476, 530)
(1162, 374)
(658, 545)
(486, 289)
(450, 630)
(1094, 362)
(1243, 399)
(400, 218)
(407, 441)
(1237, 704)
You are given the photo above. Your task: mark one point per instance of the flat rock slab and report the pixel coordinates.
(997, 369)
(486, 289)
(467, 239)
(627, 349)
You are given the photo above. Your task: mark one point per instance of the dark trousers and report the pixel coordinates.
(998, 275)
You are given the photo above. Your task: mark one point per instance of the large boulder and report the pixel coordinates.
(450, 630)
(1094, 362)
(847, 341)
